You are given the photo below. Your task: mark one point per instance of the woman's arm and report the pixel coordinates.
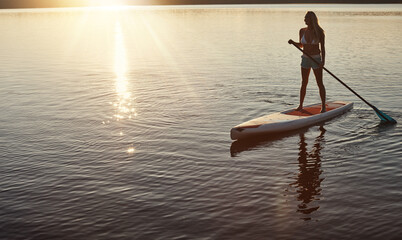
(301, 33)
(299, 44)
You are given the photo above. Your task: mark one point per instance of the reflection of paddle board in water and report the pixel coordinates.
(289, 120)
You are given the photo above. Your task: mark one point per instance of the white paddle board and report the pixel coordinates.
(289, 120)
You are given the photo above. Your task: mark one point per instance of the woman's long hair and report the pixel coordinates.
(318, 31)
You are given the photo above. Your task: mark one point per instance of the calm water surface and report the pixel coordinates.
(115, 124)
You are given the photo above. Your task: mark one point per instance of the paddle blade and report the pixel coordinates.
(384, 117)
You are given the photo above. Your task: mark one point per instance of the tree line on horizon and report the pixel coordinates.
(81, 3)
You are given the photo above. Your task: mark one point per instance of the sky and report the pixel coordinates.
(77, 3)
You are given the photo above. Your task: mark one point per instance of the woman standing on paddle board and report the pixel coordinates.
(312, 40)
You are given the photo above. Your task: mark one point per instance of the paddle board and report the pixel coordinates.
(289, 120)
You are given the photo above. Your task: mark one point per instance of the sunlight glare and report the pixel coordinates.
(131, 150)
(120, 64)
(124, 103)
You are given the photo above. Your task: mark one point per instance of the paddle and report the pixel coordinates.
(384, 117)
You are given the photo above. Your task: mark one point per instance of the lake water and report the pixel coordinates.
(115, 124)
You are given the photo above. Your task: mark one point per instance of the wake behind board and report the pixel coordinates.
(289, 120)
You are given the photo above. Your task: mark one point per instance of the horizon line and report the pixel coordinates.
(13, 4)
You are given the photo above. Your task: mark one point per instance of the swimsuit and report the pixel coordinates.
(303, 40)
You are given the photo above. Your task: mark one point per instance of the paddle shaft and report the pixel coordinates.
(339, 80)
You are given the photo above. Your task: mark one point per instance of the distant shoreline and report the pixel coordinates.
(10, 4)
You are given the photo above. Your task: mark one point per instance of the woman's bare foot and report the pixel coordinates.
(299, 108)
(323, 109)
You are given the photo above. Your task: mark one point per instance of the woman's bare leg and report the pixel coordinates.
(318, 78)
(305, 72)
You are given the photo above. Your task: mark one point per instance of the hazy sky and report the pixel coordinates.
(72, 3)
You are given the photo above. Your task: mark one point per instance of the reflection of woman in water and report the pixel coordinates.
(311, 39)
(308, 180)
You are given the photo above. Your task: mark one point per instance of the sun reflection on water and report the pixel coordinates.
(131, 150)
(124, 109)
